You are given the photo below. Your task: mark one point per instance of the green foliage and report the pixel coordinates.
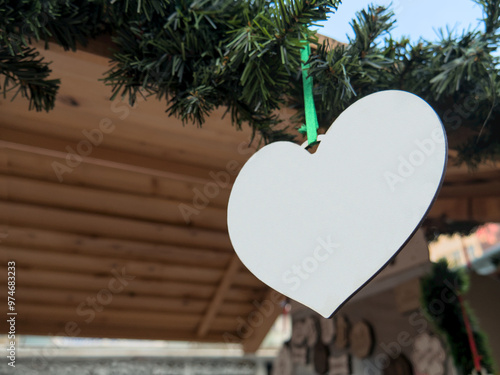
(456, 75)
(27, 74)
(205, 54)
(440, 291)
(198, 55)
(25, 21)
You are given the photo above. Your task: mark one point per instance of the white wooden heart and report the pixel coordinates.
(317, 227)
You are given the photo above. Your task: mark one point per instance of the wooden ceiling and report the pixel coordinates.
(118, 210)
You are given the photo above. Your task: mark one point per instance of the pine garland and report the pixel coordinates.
(23, 21)
(440, 291)
(457, 76)
(198, 55)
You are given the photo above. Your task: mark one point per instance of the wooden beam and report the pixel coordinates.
(103, 225)
(482, 175)
(34, 162)
(245, 278)
(51, 328)
(467, 190)
(464, 171)
(271, 309)
(218, 297)
(84, 70)
(192, 160)
(89, 104)
(108, 316)
(106, 202)
(479, 209)
(57, 148)
(69, 243)
(56, 297)
(48, 260)
(137, 286)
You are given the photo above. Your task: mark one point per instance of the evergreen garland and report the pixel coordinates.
(440, 291)
(24, 21)
(245, 56)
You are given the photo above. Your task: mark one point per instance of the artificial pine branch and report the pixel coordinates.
(25, 21)
(198, 55)
(457, 75)
(206, 54)
(27, 74)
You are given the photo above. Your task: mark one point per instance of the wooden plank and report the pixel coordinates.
(486, 209)
(68, 243)
(51, 328)
(42, 259)
(99, 155)
(268, 314)
(480, 189)
(479, 209)
(465, 171)
(88, 69)
(35, 163)
(218, 297)
(88, 105)
(106, 202)
(49, 260)
(94, 283)
(473, 176)
(37, 295)
(245, 278)
(84, 99)
(106, 315)
(102, 225)
(193, 161)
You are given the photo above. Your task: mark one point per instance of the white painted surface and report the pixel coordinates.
(316, 227)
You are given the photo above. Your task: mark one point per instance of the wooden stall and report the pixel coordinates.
(116, 215)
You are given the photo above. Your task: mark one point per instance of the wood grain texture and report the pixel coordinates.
(118, 211)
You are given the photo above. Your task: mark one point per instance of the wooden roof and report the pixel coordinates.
(117, 210)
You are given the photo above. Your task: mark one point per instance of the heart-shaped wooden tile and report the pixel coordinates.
(317, 227)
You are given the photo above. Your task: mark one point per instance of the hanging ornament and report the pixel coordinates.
(301, 221)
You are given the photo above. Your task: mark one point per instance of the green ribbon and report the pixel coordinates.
(311, 126)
